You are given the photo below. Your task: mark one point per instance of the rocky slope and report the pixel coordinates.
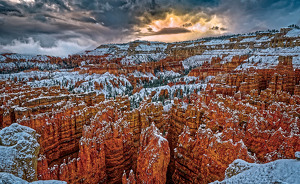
(158, 112)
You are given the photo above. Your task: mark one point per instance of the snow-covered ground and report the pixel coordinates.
(161, 47)
(142, 58)
(28, 57)
(293, 33)
(143, 75)
(27, 65)
(195, 61)
(198, 60)
(279, 171)
(8, 178)
(186, 89)
(217, 42)
(168, 74)
(99, 52)
(268, 58)
(250, 39)
(259, 58)
(69, 79)
(260, 62)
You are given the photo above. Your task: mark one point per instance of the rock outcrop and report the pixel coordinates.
(19, 150)
(105, 151)
(130, 180)
(153, 157)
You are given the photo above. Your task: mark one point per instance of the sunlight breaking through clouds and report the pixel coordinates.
(98, 22)
(181, 27)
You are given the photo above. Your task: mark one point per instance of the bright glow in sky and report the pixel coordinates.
(187, 26)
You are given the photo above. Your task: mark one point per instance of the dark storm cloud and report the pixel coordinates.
(216, 28)
(7, 9)
(252, 15)
(94, 22)
(172, 30)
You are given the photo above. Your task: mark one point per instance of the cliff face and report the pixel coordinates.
(205, 158)
(153, 157)
(105, 151)
(142, 118)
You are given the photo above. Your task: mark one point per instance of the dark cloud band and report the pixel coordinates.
(93, 22)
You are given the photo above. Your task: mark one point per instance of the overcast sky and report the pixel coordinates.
(62, 27)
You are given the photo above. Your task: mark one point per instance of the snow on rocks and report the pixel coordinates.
(142, 58)
(99, 51)
(293, 33)
(144, 75)
(206, 56)
(296, 62)
(297, 155)
(69, 79)
(260, 62)
(217, 42)
(153, 156)
(186, 88)
(19, 149)
(250, 39)
(170, 74)
(159, 47)
(195, 61)
(28, 57)
(8, 178)
(26, 65)
(2, 58)
(279, 171)
(268, 58)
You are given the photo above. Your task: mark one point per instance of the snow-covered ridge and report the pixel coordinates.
(69, 79)
(142, 58)
(151, 47)
(28, 57)
(137, 52)
(199, 60)
(217, 42)
(258, 58)
(99, 52)
(268, 58)
(27, 65)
